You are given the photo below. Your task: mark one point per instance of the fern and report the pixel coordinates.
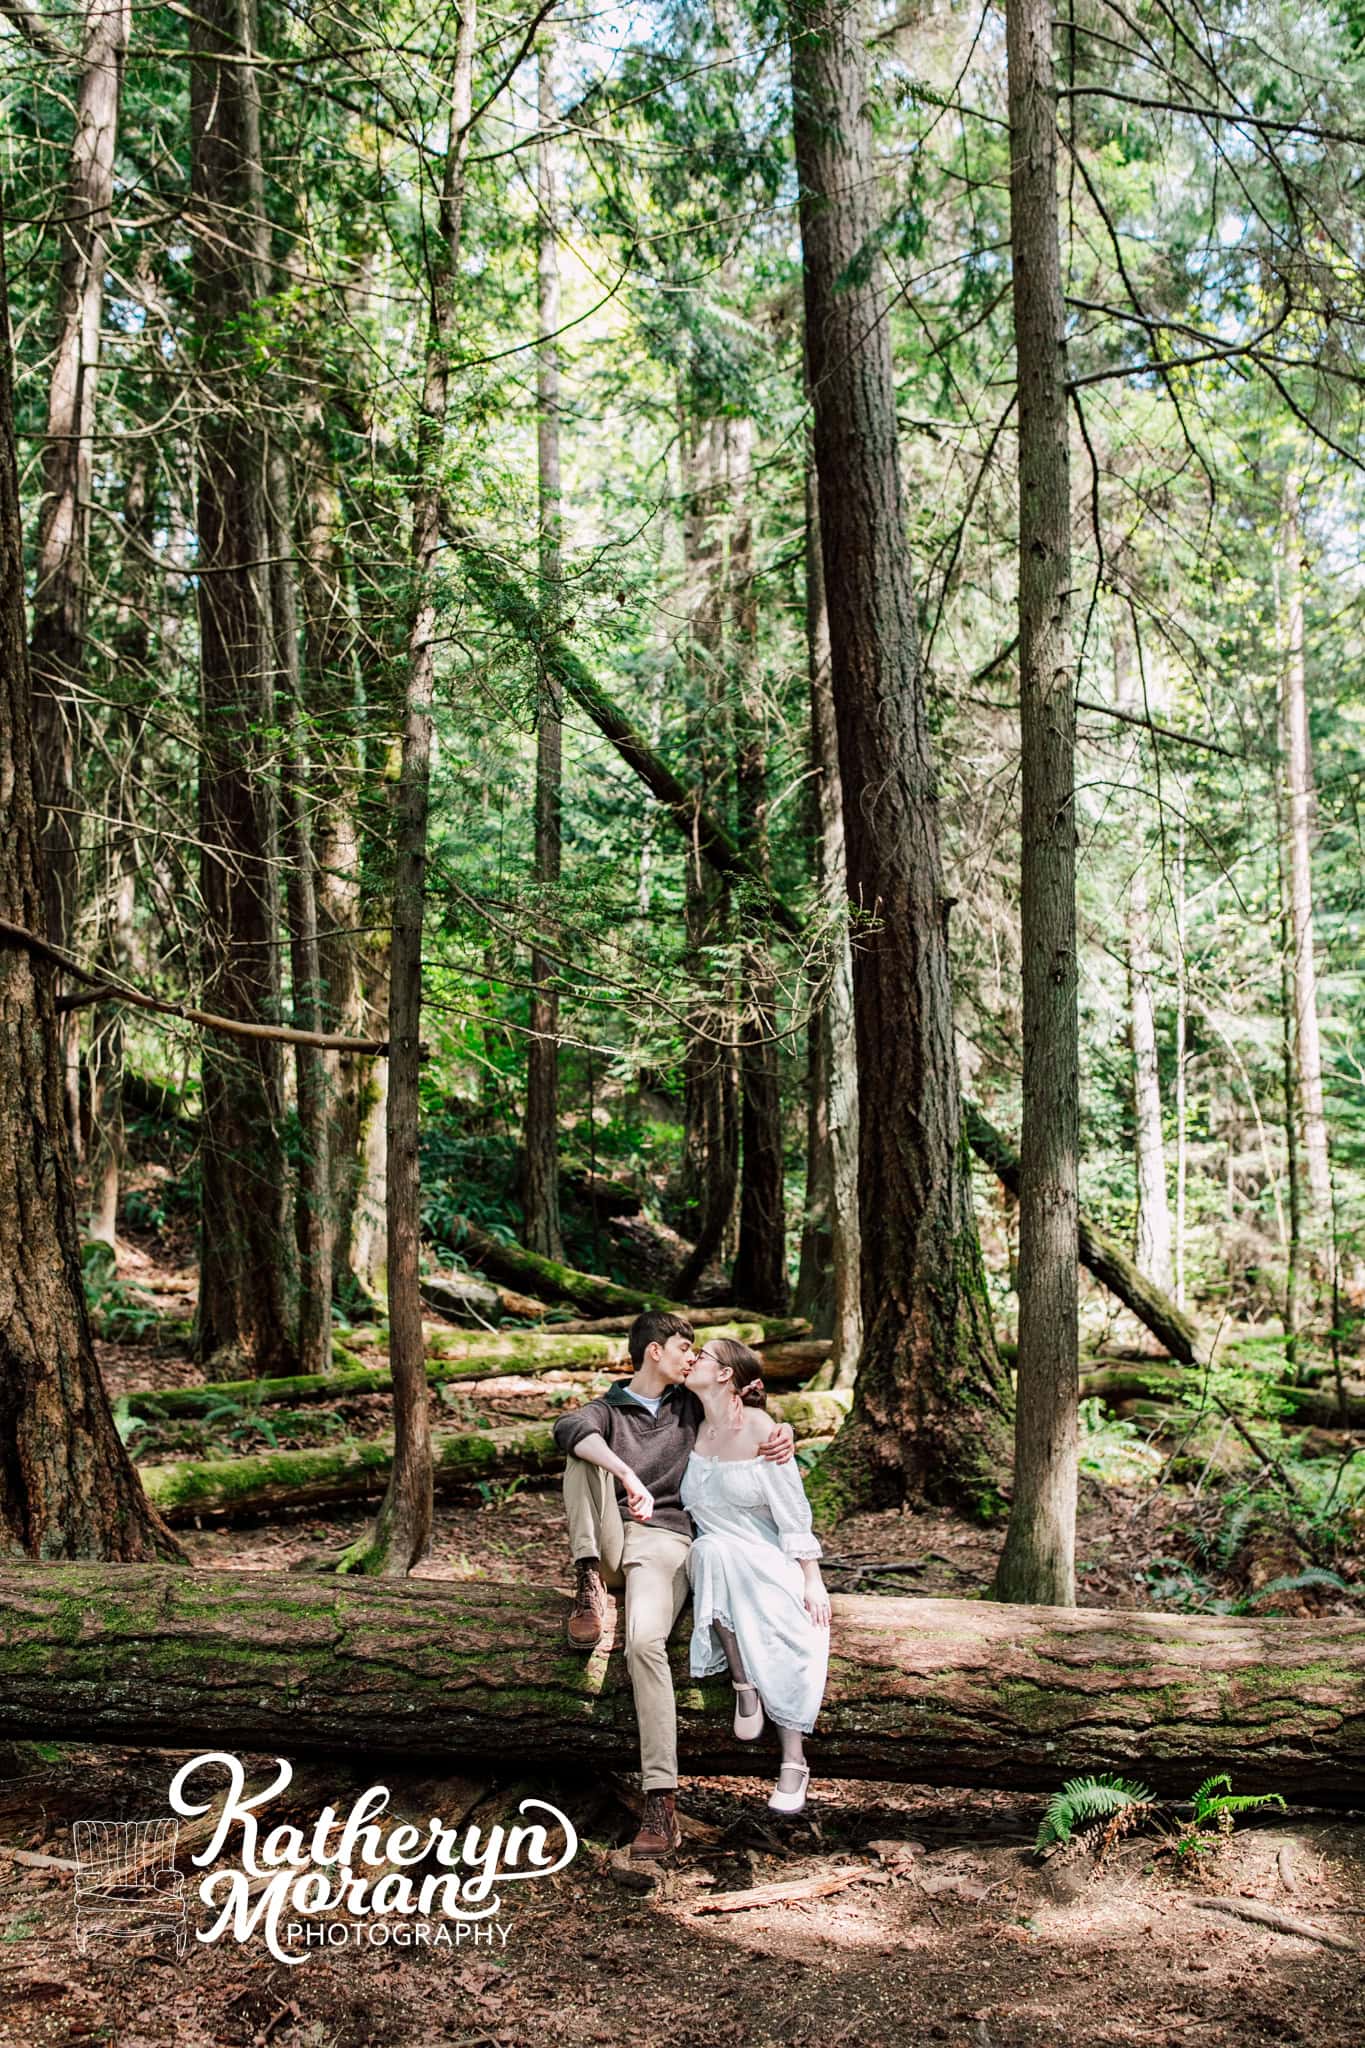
(1207, 1807)
(1085, 1800)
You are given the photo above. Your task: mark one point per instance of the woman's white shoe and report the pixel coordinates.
(748, 1727)
(793, 1801)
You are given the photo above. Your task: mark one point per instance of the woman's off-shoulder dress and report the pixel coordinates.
(753, 1524)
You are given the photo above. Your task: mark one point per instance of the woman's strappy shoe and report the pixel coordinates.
(748, 1727)
(790, 1802)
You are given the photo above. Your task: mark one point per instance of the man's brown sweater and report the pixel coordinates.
(656, 1447)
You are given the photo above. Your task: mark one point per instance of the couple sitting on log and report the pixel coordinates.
(688, 1441)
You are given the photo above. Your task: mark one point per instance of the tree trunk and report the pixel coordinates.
(67, 1488)
(1038, 1560)
(335, 700)
(116, 946)
(759, 1274)
(147, 1656)
(246, 1257)
(834, 1057)
(402, 1530)
(932, 1398)
(1289, 1084)
(711, 1126)
(541, 1203)
(233, 1487)
(1153, 1238)
(62, 570)
(313, 1208)
(1300, 804)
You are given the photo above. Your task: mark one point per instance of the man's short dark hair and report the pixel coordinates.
(655, 1326)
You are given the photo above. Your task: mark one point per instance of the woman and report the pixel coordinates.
(759, 1606)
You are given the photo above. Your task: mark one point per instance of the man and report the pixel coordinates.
(625, 1458)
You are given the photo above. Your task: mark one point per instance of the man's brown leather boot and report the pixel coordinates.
(588, 1617)
(659, 1831)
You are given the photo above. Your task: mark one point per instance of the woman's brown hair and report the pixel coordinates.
(745, 1367)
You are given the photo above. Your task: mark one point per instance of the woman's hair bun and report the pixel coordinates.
(752, 1395)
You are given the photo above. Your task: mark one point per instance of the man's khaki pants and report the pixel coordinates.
(652, 1566)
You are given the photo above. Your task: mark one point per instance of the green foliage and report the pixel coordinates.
(1082, 1802)
(118, 1312)
(1105, 1806)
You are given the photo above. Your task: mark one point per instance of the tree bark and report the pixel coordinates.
(246, 1254)
(233, 1487)
(335, 698)
(313, 1206)
(1038, 1559)
(117, 945)
(67, 1487)
(62, 569)
(832, 1146)
(147, 1656)
(711, 1117)
(541, 1203)
(402, 1530)
(932, 1398)
(1300, 803)
(759, 1274)
(1153, 1237)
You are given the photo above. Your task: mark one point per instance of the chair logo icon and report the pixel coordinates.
(126, 1880)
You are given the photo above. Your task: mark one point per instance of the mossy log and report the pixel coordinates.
(1309, 1407)
(938, 1692)
(785, 1365)
(774, 1329)
(275, 1480)
(458, 1357)
(517, 1267)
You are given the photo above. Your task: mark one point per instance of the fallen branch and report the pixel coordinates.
(1271, 1916)
(794, 1889)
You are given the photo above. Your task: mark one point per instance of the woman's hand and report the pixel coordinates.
(639, 1499)
(817, 1599)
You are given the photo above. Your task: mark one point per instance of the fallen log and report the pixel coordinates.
(518, 1267)
(515, 1352)
(938, 1692)
(467, 1300)
(1106, 1261)
(274, 1480)
(775, 1329)
(784, 1365)
(1309, 1407)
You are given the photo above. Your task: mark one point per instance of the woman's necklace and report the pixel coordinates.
(715, 1432)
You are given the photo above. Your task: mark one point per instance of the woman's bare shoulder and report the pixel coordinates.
(759, 1424)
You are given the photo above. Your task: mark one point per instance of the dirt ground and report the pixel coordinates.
(953, 1931)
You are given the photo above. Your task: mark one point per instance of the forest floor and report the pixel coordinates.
(954, 1931)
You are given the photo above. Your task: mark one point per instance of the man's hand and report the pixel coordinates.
(781, 1445)
(639, 1499)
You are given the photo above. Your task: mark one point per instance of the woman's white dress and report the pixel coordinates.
(753, 1523)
